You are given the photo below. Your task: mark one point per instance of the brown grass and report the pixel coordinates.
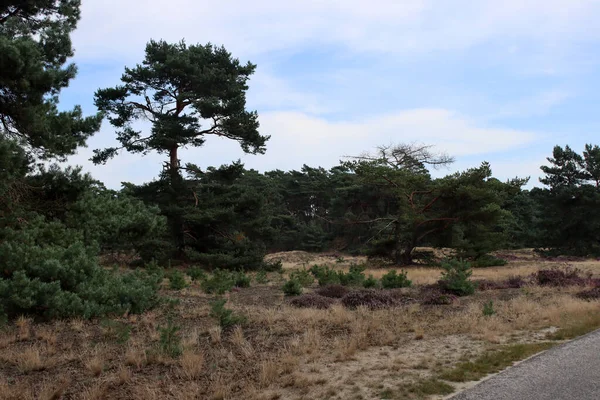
(286, 352)
(95, 363)
(191, 364)
(30, 360)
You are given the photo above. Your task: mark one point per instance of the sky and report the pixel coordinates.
(497, 81)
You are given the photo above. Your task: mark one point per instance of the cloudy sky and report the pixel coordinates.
(501, 81)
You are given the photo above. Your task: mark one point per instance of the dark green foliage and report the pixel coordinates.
(196, 273)
(261, 277)
(241, 280)
(177, 280)
(226, 317)
(333, 291)
(117, 222)
(188, 93)
(393, 280)
(219, 282)
(170, 339)
(370, 282)
(312, 301)
(325, 275)
(274, 266)
(354, 277)
(303, 277)
(455, 277)
(49, 271)
(292, 288)
(373, 299)
(567, 224)
(488, 309)
(35, 45)
(488, 261)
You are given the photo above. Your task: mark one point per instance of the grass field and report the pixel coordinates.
(409, 351)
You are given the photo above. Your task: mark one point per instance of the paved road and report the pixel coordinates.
(568, 371)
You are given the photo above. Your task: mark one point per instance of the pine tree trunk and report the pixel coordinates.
(176, 184)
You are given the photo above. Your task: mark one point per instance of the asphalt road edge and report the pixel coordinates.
(559, 344)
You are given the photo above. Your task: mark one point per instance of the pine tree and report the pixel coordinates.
(35, 46)
(187, 93)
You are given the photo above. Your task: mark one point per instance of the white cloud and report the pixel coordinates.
(298, 138)
(119, 29)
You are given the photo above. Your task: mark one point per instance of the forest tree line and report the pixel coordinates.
(56, 221)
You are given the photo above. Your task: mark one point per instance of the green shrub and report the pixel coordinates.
(354, 277)
(303, 277)
(177, 280)
(488, 309)
(241, 280)
(196, 273)
(220, 282)
(455, 277)
(47, 270)
(261, 277)
(273, 266)
(325, 275)
(170, 339)
(292, 288)
(227, 318)
(370, 282)
(393, 280)
(488, 261)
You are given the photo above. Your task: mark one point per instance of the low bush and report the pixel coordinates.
(373, 299)
(292, 288)
(333, 291)
(393, 280)
(177, 280)
(219, 282)
(261, 277)
(560, 277)
(226, 317)
(273, 266)
(488, 261)
(241, 280)
(370, 282)
(170, 339)
(591, 294)
(488, 309)
(196, 273)
(325, 275)
(437, 297)
(48, 271)
(303, 276)
(455, 277)
(312, 301)
(354, 277)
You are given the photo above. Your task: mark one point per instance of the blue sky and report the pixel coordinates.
(496, 81)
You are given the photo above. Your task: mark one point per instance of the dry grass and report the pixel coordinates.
(286, 352)
(30, 360)
(95, 363)
(191, 364)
